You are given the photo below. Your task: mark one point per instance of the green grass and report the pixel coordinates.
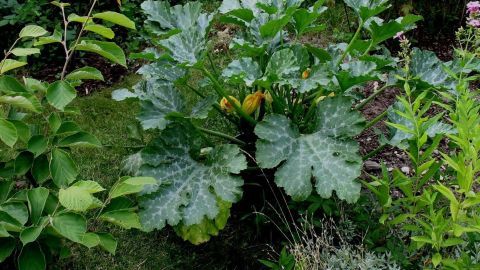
(108, 120)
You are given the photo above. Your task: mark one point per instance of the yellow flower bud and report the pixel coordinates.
(268, 98)
(320, 98)
(252, 102)
(306, 74)
(226, 106)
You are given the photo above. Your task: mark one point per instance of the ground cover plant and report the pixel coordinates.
(246, 126)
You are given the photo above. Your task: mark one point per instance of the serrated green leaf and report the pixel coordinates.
(116, 18)
(25, 51)
(8, 132)
(7, 246)
(109, 50)
(427, 67)
(187, 189)
(62, 168)
(30, 234)
(101, 30)
(10, 64)
(85, 73)
(130, 186)
(328, 155)
(37, 145)
(81, 138)
(32, 258)
(60, 94)
(89, 186)
(107, 242)
(126, 219)
(32, 31)
(75, 198)
(56, 37)
(25, 101)
(71, 226)
(37, 197)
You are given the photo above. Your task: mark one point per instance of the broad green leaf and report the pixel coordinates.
(80, 139)
(123, 94)
(10, 64)
(67, 128)
(187, 189)
(283, 65)
(85, 73)
(201, 233)
(161, 16)
(109, 50)
(101, 30)
(60, 94)
(23, 162)
(116, 18)
(162, 70)
(32, 258)
(56, 37)
(382, 31)
(427, 67)
(108, 242)
(80, 19)
(71, 226)
(126, 219)
(23, 130)
(436, 259)
(37, 197)
(271, 28)
(37, 145)
(25, 51)
(89, 186)
(30, 234)
(304, 20)
(32, 31)
(75, 198)
(355, 73)
(329, 155)
(186, 47)
(368, 8)
(25, 101)
(5, 188)
(16, 210)
(130, 186)
(8, 132)
(40, 169)
(62, 168)
(90, 240)
(10, 85)
(159, 99)
(7, 245)
(245, 70)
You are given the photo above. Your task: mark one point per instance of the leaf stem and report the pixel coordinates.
(72, 49)
(376, 120)
(221, 135)
(350, 45)
(374, 152)
(371, 97)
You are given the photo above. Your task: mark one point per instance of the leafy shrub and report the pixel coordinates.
(295, 98)
(49, 205)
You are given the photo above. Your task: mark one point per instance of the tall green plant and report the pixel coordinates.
(294, 97)
(53, 205)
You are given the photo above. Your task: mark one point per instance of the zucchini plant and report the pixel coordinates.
(293, 106)
(42, 201)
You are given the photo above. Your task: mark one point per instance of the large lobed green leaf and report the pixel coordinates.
(328, 155)
(187, 188)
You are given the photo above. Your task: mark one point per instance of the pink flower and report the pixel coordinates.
(474, 23)
(400, 36)
(473, 7)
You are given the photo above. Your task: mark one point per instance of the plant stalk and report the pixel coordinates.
(371, 97)
(376, 120)
(221, 135)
